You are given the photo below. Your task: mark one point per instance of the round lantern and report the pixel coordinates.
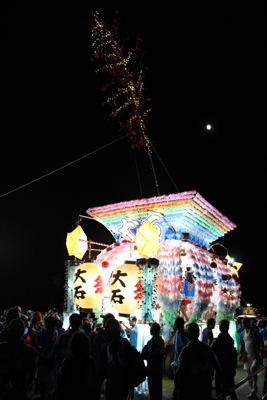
(88, 287)
(105, 264)
(125, 288)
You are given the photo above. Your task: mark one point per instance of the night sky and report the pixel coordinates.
(207, 65)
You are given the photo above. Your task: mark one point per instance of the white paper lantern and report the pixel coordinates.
(88, 285)
(125, 288)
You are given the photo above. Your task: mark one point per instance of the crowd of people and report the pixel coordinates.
(87, 360)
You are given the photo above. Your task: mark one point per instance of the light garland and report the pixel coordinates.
(127, 72)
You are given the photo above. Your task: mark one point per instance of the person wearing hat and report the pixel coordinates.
(132, 330)
(192, 379)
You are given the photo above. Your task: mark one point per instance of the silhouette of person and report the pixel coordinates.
(117, 385)
(153, 352)
(180, 340)
(207, 335)
(46, 366)
(61, 348)
(13, 313)
(17, 363)
(77, 374)
(223, 347)
(192, 379)
(88, 329)
(101, 341)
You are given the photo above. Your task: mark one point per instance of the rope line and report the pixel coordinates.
(58, 169)
(164, 167)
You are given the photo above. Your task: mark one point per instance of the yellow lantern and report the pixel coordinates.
(125, 288)
(77, 242)
(88, 287)
(147, 241)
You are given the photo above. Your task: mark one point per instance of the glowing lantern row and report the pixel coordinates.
(125, 288)
(88, 285)
(147, 241)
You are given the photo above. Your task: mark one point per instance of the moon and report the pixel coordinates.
(208, 127)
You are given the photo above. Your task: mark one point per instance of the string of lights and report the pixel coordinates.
(127, 83)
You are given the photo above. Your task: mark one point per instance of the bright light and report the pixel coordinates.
(208, 127)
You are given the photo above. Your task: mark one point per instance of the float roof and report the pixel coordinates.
(182, 212)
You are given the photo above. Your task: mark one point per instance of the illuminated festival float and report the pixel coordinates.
(162, 263)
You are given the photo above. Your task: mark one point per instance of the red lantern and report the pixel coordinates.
(105, 264)
(235, 278)
(213, 264)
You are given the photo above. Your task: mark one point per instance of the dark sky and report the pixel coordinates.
(206, 65)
